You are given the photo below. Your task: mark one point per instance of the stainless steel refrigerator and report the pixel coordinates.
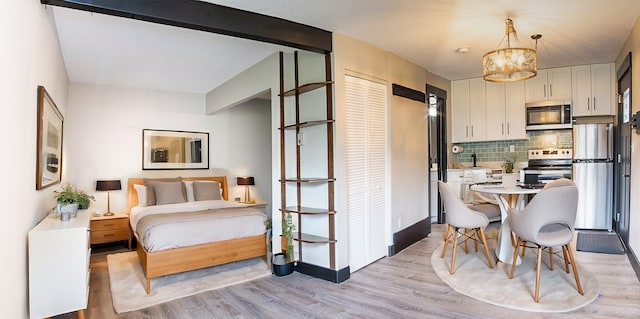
(593, 175)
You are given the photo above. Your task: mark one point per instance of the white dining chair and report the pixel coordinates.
(546, 222)
(460, 217)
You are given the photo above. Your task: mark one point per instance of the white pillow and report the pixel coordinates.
(188, 185)
(142, 194)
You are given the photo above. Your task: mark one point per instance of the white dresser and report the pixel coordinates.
(59, 255)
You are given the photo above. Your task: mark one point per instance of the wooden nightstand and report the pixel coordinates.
(107, 229)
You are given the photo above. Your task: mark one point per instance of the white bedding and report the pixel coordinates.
(242, 222)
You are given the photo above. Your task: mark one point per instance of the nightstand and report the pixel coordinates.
(108, 229)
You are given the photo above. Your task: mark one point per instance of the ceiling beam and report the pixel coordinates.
(209, 17)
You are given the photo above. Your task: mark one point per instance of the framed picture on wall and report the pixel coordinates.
(49, 161)
(163, 149)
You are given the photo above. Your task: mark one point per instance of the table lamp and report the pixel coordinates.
(246, 182)
(108, 185)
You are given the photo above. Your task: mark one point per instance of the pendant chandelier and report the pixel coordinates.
(510, 63)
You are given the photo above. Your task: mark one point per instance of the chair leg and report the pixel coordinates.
(515, 257)
(537, 296)
(466, 236)
(486, 247)
(566, 259)
(523, 243)
(551, 258)
(453, 255)
(575, 269)
(476, 233)
(446, 240)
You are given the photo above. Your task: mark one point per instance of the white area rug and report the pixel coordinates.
(474, 278)
(128, 281)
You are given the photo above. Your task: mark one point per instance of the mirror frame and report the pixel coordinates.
(158, 158)
(50, 129)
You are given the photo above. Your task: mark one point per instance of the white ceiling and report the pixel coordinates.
(123, 52)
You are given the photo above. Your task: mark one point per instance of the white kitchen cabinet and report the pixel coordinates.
(549, 84)
(468, 107)
(593, 88)
(505, 111)
(59, 266)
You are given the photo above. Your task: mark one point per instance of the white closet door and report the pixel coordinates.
(366, 152)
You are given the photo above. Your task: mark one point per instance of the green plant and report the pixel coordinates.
(507, 167)
(287, 231)
(68, 194)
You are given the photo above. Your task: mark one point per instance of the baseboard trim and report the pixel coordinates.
(409, 236)
(336, 276)
(634, 262)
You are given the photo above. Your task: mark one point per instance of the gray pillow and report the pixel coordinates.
(169, 193)
(206, 190)
(149, 183)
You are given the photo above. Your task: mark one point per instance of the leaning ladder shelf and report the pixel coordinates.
(299, 181)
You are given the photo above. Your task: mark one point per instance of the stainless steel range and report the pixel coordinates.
(547, 164)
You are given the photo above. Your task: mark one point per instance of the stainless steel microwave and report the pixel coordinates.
(549, 115)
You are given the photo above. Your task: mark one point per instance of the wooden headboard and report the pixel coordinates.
(133, 195)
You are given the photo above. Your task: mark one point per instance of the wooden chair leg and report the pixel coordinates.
(486, 247)
(551, 258)
(515, 257)
(523, 243)
(446, 240)
(566, 259)
(575, 268)
(537, 295)
(466, 236)
(476, 234)
(453, 255)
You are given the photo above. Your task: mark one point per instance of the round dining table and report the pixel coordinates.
(507, 197)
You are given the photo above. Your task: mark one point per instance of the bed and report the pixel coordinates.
(168, 244)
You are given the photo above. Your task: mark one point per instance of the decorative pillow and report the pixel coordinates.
(169, 193)
(142, 194)
(151, 194)
(206, 190)
(188, 186)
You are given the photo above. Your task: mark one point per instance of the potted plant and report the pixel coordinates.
(283, 263)
(69, 199)
(509, 179)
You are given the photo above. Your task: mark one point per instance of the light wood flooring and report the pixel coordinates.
(402, 286)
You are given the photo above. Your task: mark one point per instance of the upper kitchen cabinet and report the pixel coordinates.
(468, 110)
(593, 89)
(505, 111)
(549, 84)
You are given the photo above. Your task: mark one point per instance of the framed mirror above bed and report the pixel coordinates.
(164, 149)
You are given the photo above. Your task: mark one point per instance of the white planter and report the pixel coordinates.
(509, 180)
(67, 211)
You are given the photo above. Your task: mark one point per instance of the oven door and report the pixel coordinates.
(546, 175)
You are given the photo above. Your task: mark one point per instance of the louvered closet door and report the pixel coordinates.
(366, 152)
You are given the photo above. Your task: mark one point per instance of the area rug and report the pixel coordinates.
(475, 279)
(600, 242)
(127, 281)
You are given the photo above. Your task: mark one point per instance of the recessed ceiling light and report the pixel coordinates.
(462, 50)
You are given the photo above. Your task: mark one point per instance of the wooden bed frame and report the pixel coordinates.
(177, 260)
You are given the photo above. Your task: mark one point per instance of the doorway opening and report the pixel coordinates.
(437, 135)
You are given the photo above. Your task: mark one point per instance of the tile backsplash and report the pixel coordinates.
(499, 150)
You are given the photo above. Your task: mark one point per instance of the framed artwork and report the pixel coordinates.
(162, 149)
(49, 161)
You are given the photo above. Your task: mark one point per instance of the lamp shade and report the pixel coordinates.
(244, 181)
(510, 63)
(110, 185)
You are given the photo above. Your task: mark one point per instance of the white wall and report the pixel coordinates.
(103, 136)
(260, 78)
(408, 189)
(632, 45)
(30, 56)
